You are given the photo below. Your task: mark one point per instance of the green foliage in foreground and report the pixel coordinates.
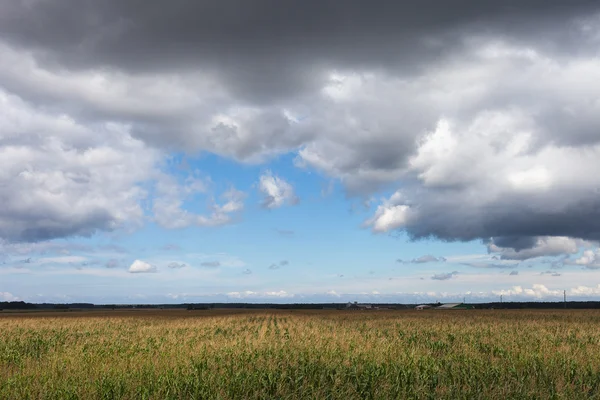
(302, 355)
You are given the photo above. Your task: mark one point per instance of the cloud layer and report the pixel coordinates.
(483, 119)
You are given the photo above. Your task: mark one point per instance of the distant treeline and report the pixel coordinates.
(21, 305)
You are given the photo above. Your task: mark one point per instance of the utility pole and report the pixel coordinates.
(565, 297)
(500, 299)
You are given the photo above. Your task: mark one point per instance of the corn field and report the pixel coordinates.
(239, 354)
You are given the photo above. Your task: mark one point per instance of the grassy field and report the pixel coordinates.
(238, 354)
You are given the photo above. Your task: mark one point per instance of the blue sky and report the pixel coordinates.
(299, 153)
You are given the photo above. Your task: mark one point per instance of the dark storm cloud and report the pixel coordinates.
(515, 222)
(266, 48)
(33, 226)
(515, 242)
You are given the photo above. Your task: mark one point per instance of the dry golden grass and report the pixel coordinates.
(300, 354)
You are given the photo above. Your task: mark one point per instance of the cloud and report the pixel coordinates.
(248, 294)
(444, 276)
(537, 291)
(177, 265)
(488, 265)
(212, 264)
(139, 266)
(391, 214)
(474, 113)
(168, 204)
(277, 192)
(585, 291)
(588, 259)
(112, 264)
(247, 271)
(513, 273)
(281, 263)
(6, 296)
(74, 180)
(524, 248)
(427, 259)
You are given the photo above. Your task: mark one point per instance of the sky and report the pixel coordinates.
(292, 151)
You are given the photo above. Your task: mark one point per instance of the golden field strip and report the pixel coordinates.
(277, 354)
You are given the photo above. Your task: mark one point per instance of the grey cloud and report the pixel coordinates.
(514, 242)
(523, 248)
(212, 264)
(176, 265)
(280, 264)
(551, 273)
(444, 276)
(247, 271)
(489, 265)
(427, 259)
(359, 92)
(514, 273)
(112, 264)
(126, 34)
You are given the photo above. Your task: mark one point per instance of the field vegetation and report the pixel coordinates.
(237, 354)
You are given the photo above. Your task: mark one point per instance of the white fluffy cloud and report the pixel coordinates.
(277, 192)
(391, 214)
(62, 178)
(140, 266)
(539, 291)
(6, 296)
(589, 259)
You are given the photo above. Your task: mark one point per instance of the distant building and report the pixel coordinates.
(422, 307)
(356, 306)
(453, 306)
